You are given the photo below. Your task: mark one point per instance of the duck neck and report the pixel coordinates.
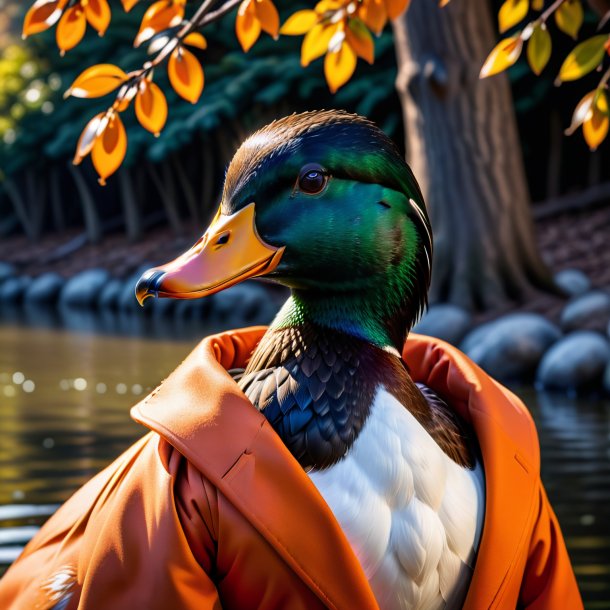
(369, 316)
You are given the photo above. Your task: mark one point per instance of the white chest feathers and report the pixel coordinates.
(412, 516)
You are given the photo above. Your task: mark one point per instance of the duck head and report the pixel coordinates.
(323, 203)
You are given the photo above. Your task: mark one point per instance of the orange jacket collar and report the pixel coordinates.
(214, 425)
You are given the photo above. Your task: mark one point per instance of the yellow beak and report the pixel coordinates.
(229, 252)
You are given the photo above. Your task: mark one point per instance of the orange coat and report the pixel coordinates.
(210, 510)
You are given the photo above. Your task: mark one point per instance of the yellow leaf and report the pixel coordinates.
(569, 17)
(585, 57)
(504, 55)
(328, 6)
(71, 28)
(96, 81)
(268, 17)
(360, 40)
(129, 4)
(247, 25)
(539, 49)
(97, 13)
(159, 16)
(42, 15)
(511, 13)
(109, 149)
(185, 75)
(394, 8)
(316, 42)
(339, 66)
(581, 112)
(373, 13)
(195, 39)
(537, 5)
(88, 136)
(595, 126)
(151, 107)
(299, 23)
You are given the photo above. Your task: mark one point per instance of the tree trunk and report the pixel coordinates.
(463, 146)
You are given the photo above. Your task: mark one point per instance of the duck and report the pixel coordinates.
(323, 203)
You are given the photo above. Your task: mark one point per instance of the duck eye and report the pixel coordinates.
(312, 181)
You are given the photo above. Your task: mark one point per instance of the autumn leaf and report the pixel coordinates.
(42, 15)
(539, 49)
(585, 57)
(360, 40)
(128, 4)
(71, 28)
(339, 65)
(87, 138)
(374, 14)
(151, 107)
(299, 23)
(511, 13)
(581, 112)
(159, 16)
(98, 15)
(247, 25)
(268, 17)
(537, 5)
(316, 42)
(569, 17)
(595, 126)
(503, 55)
(109, 148)
(394, 8)
(195, 39)
(96, 81)
(185, 75)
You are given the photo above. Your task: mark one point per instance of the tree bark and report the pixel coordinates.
(463, 146)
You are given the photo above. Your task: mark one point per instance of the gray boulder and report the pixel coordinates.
(590, 311)
(13, 288)
(84, 289)
(445, 321)
(576, 361)
(242, 305)
(109, 297)
(606, 379)
(44, 289)
(6, 270)
(572, 281)
(511, 347)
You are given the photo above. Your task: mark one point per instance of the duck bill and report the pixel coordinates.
(229, 252)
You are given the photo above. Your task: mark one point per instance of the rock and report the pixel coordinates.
(84, 289)
(7, 270)
(511, 347)
(242, 305)
(576, 361)
(109, 297)
(44, 289)
(606, 380)
(12, 289)
(590, 311)
(572, 281)
(445, 321)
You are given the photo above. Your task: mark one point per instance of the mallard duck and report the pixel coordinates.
(322, 202)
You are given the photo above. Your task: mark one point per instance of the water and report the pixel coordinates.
(64, 415)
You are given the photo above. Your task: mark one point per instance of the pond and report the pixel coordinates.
(64, 415)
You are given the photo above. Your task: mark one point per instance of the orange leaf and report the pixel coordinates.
(151, 107)
(109, 149)
(595, 127)
(247, 25)
(339, 66)
(374, 14)
(504, 55)
(299, 23)
(316, 42)
(582, 112)
(42, 15)
(87, 138)
(71, 28)
(185, 75)
(129, 4)
(195, 39)
(96, 81)
(159, 16)
(268, 17)
(395, 8)
(360, 39)
(97, 13)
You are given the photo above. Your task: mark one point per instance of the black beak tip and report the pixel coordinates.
(148, 285)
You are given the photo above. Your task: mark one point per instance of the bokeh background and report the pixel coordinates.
(76, 351)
